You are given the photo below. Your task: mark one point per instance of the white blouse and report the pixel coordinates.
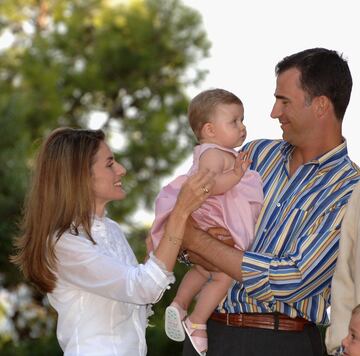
(102, 293)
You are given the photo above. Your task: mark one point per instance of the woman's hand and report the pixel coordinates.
(195, 191)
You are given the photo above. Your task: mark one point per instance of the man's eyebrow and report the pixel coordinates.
(110, 158)
(282, 97)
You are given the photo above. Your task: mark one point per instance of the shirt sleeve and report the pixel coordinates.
(301, 273)
(81, 264)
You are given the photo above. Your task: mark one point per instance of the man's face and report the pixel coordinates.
(293, 110)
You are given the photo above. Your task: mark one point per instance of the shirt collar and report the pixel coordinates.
(338, 152)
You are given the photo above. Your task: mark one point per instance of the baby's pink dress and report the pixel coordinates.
(236, 210)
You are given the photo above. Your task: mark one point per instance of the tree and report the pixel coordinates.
(72, 58)
(130, 61)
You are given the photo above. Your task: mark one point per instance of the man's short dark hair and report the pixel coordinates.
(322, 72)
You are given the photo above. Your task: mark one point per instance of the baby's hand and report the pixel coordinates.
(242, 163)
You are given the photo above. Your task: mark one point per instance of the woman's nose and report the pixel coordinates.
(121, 170)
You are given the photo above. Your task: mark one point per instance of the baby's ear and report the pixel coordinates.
(207, 130)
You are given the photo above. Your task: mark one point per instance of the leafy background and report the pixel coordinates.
(126, 62)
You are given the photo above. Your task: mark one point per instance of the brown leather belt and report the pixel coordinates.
(272, 321)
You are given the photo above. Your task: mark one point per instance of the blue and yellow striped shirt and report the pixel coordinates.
(291, 262)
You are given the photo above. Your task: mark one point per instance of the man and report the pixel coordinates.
(282, 285)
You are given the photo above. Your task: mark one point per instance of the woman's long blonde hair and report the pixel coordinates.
(60, 199)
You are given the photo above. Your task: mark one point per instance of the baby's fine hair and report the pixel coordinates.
(203, 105)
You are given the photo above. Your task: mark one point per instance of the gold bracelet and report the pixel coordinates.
(174, 240)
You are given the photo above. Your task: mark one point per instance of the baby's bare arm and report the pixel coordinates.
(219, 162)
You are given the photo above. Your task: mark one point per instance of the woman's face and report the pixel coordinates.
(106, 178)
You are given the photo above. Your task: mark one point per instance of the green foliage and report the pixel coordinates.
(71, 58)
(44, 346)
(130, 61)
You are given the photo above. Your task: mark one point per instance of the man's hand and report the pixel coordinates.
(192, 232)
(222, 235)
(207, 251)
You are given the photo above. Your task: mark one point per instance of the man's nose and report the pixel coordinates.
(276, 111)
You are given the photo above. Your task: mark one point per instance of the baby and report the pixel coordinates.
(216, 117)
(351, 343)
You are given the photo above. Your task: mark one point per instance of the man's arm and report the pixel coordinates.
(288, 278)
(203, 246)
(304, 270)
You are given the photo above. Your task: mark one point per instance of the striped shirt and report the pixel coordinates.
(291, 262)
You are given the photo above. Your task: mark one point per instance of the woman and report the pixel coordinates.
(70, 250)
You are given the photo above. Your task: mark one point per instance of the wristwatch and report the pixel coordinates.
(183, 257)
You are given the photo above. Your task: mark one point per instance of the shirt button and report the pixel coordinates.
(278, 205)
(234, 304)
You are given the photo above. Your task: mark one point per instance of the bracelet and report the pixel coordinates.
(183, 257)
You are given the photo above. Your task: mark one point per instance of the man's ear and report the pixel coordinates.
(322, 105)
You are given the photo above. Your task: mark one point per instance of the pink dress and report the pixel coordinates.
(236, 210)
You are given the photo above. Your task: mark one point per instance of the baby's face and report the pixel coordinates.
(228, 125)
(351, 343)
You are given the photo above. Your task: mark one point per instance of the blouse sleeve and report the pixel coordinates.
(81, 264)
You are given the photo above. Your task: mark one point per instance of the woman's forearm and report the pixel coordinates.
(171, 242)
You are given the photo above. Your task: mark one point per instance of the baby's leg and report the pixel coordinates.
(209, 298)
(175, 313)
(191, 285)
